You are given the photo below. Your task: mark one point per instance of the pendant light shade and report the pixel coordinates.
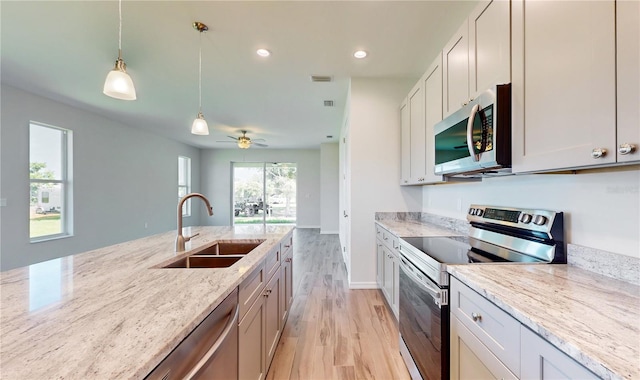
(199, 126)
(118, 83)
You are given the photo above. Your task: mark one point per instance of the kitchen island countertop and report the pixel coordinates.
(106, 313)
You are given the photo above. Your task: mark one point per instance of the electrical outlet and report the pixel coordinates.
(3, 202)
(459, 204)
(146, 225)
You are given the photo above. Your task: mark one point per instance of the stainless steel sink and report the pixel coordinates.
(230, 247)
(220, 254)
(205, 261)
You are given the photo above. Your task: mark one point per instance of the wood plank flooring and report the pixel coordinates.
(334, 332)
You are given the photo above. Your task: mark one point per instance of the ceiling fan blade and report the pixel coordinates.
(231, 137)
(260, 145)
(258, 140)
(231, 142)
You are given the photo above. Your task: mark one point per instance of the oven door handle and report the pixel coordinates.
(436, 293)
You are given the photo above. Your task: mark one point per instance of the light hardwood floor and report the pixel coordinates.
(334, 332)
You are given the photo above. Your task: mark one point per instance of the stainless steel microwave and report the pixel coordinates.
(476, 139)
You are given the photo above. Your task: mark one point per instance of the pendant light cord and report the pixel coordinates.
(120, 30)
(200, 76)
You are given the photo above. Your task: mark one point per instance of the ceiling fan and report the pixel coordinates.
(245, 142)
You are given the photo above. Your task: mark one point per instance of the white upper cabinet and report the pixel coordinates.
(628, 86)
(489, 45)
(564, 84)
(432, 84)
(418, 137)
(405, 145)
(455, 71)
(478, 55)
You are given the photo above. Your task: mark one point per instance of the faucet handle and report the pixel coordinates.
(187, 238)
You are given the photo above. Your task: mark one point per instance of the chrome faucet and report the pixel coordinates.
(180, 240)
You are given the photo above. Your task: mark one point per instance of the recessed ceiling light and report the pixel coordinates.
(360, 54)
(263, 52)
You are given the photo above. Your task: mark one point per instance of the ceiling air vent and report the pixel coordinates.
(328, 103)
(321, 78)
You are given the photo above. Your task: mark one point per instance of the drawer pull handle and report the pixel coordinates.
(476, 317)
(288, 259)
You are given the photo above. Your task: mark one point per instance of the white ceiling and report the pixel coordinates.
(64, 49)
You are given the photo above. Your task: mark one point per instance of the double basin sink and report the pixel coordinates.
(221, 254)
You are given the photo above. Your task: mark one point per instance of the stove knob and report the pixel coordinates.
(479, 211)
(472, 211)
(525, 218)
(539, 220)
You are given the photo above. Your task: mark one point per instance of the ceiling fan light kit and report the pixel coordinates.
(199, 126)
(119, 84)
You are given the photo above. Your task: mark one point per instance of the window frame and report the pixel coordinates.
(186, 209)
(66, 159)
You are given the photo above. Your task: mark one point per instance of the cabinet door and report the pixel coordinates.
(470, 359)
(286, 288)
(628, 86)
(432, 81)
(563, 84)
(272, 316)
(455, 71)
(380, 264)
(388, 276)
(395, 306)
(251, 343)
(541, 360)
(418, 137)
(489, 45)
(405, 148)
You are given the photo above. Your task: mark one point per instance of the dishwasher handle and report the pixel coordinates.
(225, 333)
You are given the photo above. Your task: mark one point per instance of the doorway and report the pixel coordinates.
(264, 193)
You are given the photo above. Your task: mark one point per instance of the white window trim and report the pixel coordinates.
(66, 218)
(187, 186)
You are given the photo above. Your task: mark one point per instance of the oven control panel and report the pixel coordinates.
(529, 219)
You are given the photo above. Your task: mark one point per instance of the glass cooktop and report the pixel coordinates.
(459, 250)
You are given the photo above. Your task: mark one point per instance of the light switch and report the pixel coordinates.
(3, 202)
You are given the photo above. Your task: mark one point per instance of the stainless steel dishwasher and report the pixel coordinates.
(210, 351)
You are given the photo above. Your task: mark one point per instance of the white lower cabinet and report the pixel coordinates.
(541, 360)
(471, 359)
(265, 298)
(387, 273)
(488, 343)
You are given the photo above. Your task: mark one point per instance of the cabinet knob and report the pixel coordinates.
(626, 148)
(288, 259)
(476, 317)
(598, 153)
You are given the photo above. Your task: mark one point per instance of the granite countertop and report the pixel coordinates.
(406, 228)
(107, 313)
(592, 318)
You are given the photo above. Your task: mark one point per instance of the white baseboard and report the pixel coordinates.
(329, 232)
(363, 285)
(299, 226)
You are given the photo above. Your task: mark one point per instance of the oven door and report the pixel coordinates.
(424, 322)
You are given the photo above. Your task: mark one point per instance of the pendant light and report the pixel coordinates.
(199, 126)
(118, 83)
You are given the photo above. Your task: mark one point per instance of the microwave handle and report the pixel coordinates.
(472, 116)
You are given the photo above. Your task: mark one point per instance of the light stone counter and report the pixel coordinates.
(105, 314)
(409, 228)
(592, 318)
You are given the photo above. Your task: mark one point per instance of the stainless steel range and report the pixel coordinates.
(496, 234)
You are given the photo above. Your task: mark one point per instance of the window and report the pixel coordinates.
(184, 183)
(49, 180)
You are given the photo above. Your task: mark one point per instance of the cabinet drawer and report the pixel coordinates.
(286, 245)
(496, 329)
(272, 262)
(250, 289)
